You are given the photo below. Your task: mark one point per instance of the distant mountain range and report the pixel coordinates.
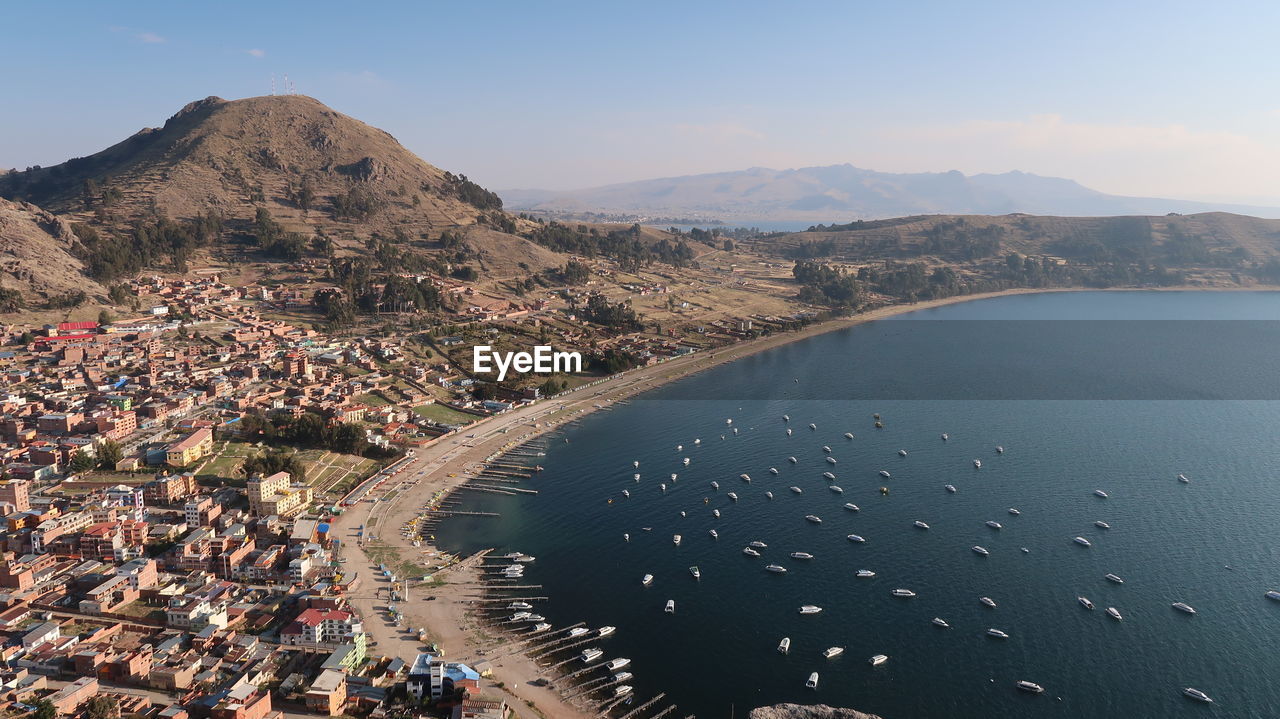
(838, 193)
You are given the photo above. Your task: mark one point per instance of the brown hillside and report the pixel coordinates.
(35, 254)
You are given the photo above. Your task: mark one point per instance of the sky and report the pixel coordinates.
(1171, 99)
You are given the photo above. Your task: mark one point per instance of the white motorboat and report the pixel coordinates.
(996, 633)
(636, 476)
(797, 490)
(812, 681)
(541, 627)
(519, 605)
(940, 622)
(1014, 511)
(635, 463)
(784, 646)
(674, 476)
(865, 574)
(1273, 594)
(578, 631)
(920, 525)
(697, 573)
(663, 487)
(810, 609)
(715, 484)
(801, 555)
(1197, 695)
(732, 495)
(836, 489)
(776, 569)
(625, 493)
(620, 676)
(1100, 493)
(1031, 687)
(788, 431)
(1184, 607)
(1113, 578)
(831, 460)
(1026, 551)
(981, 550)
(615, 664)
(826, 449)
(786, 418)
(675, 539)
(945, 436)
(977, 464)
(885, 474)
(1084, 602)
(750, 552)
(622, 690)
(856, 538)
(832, 652)
(590, 655)
(1082, 542)
(903, 593)
(685, 461)
(994, 525)
(988, 602)
(792, 460)
(773, 470)
(1183, 478)
(877, 660)
(1114, 613)
(950, 488)
(745, 477)
(714, 534)
(813, 518)
(812, 425)
(758, 544)
(848, 435)
(902, 453)
(671, 606)
(1101, 524)
(828, 475)
(697, 441)
(999, 449)
(715, 513)
(606, 631)
(646, 580)
(768, 495)
(851, 506)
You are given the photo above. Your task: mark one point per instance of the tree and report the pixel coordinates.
(105, 317)
(109, 454)
(45, 709)
(120, 294)
(102, 707)
(82, 462)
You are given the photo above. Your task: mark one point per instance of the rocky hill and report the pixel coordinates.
(807, 711)
(36, 256)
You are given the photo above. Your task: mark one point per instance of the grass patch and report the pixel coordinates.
(372, 400)
(444, 415)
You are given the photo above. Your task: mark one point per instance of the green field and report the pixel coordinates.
(443, 414)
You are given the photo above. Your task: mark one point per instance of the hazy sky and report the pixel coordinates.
(1176, 99)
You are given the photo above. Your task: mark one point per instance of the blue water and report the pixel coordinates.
(1169, 541)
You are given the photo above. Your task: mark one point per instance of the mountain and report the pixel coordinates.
(36, 257)
(838, 193)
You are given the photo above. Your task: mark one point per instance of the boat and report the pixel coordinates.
(675, 539)
(920, 524)
(988, 601)
(994, 525)
(812, 425)
(877, 660)
(812, 681)
(625, 493)
(1273, 594)
(828, 475)
(758, 544)
(1100, 493)
(997, 634)
(1197, 695)
(540, 627)
(745, 477)
(999, 449)
(885, 474)
(636, 476)
(848, 435)
(792, 460)
(801, 555)
(578, 631)
(1184, 607)
(826, 449)
(865, 574)
(851, 506)
(832, 652)
(902, 453)
(518, 616)
(1113, 578)
(977, 464)
(981, 550)
(945, 436)
(714, 513)
(1084, 602)
(776, 568)
(671, 606)
(646, 580)
(616, 664)
(950, 488)
(856, 538)
(715, 484)
(836, 489)
(903, 593)
(1031, 687)
(1014, 511)
(768, 495)
(773, 470)
(1026, 551)
(1183, 478)
(728, 421)
(784, 646)
(1114, 613)
(606, 631)
(590, 655)
(674, 476)
(750, 552)
(810, 609)
(686, 461)
(714, 534)
(626, 537)
(663, 487)
(786, 418)
(621, 676)
(697, 441)
(697, 574)
(813, 518)
(635, 463)
(1101, 524)
(1082, 542)
(797, 490)
(519, 605)
(831, 460)
(622, 690)
(732, 496)
(940, 622)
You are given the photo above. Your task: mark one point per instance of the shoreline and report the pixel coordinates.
(442, 467)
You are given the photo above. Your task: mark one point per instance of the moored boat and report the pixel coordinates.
(810, 609)
(920, 524)
(1113, 578)
(1114, 613)
(856, 538)
(1197, 695)
(776, 568)
(865, 574)
(851, 506)
(950, 488)
(813, 518)
(998, 634)
(877, 660)
(606, 631)
(697, 573)
(1100, 493)
(981, 550)
(784, 646)
(750, 552)
(903, 593)
(590, 655)
(988, 601)
(616, 664)
(940, 622)
(1082, 542)
(646, 580)
(812, 681)
(801, 555)
(671, 606)
(1031, 687)
(1184, 607)
(832, 652)
(1084, 602)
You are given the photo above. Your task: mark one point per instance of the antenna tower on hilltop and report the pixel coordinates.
(273, 84)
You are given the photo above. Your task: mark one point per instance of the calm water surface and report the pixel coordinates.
(1042, 394)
